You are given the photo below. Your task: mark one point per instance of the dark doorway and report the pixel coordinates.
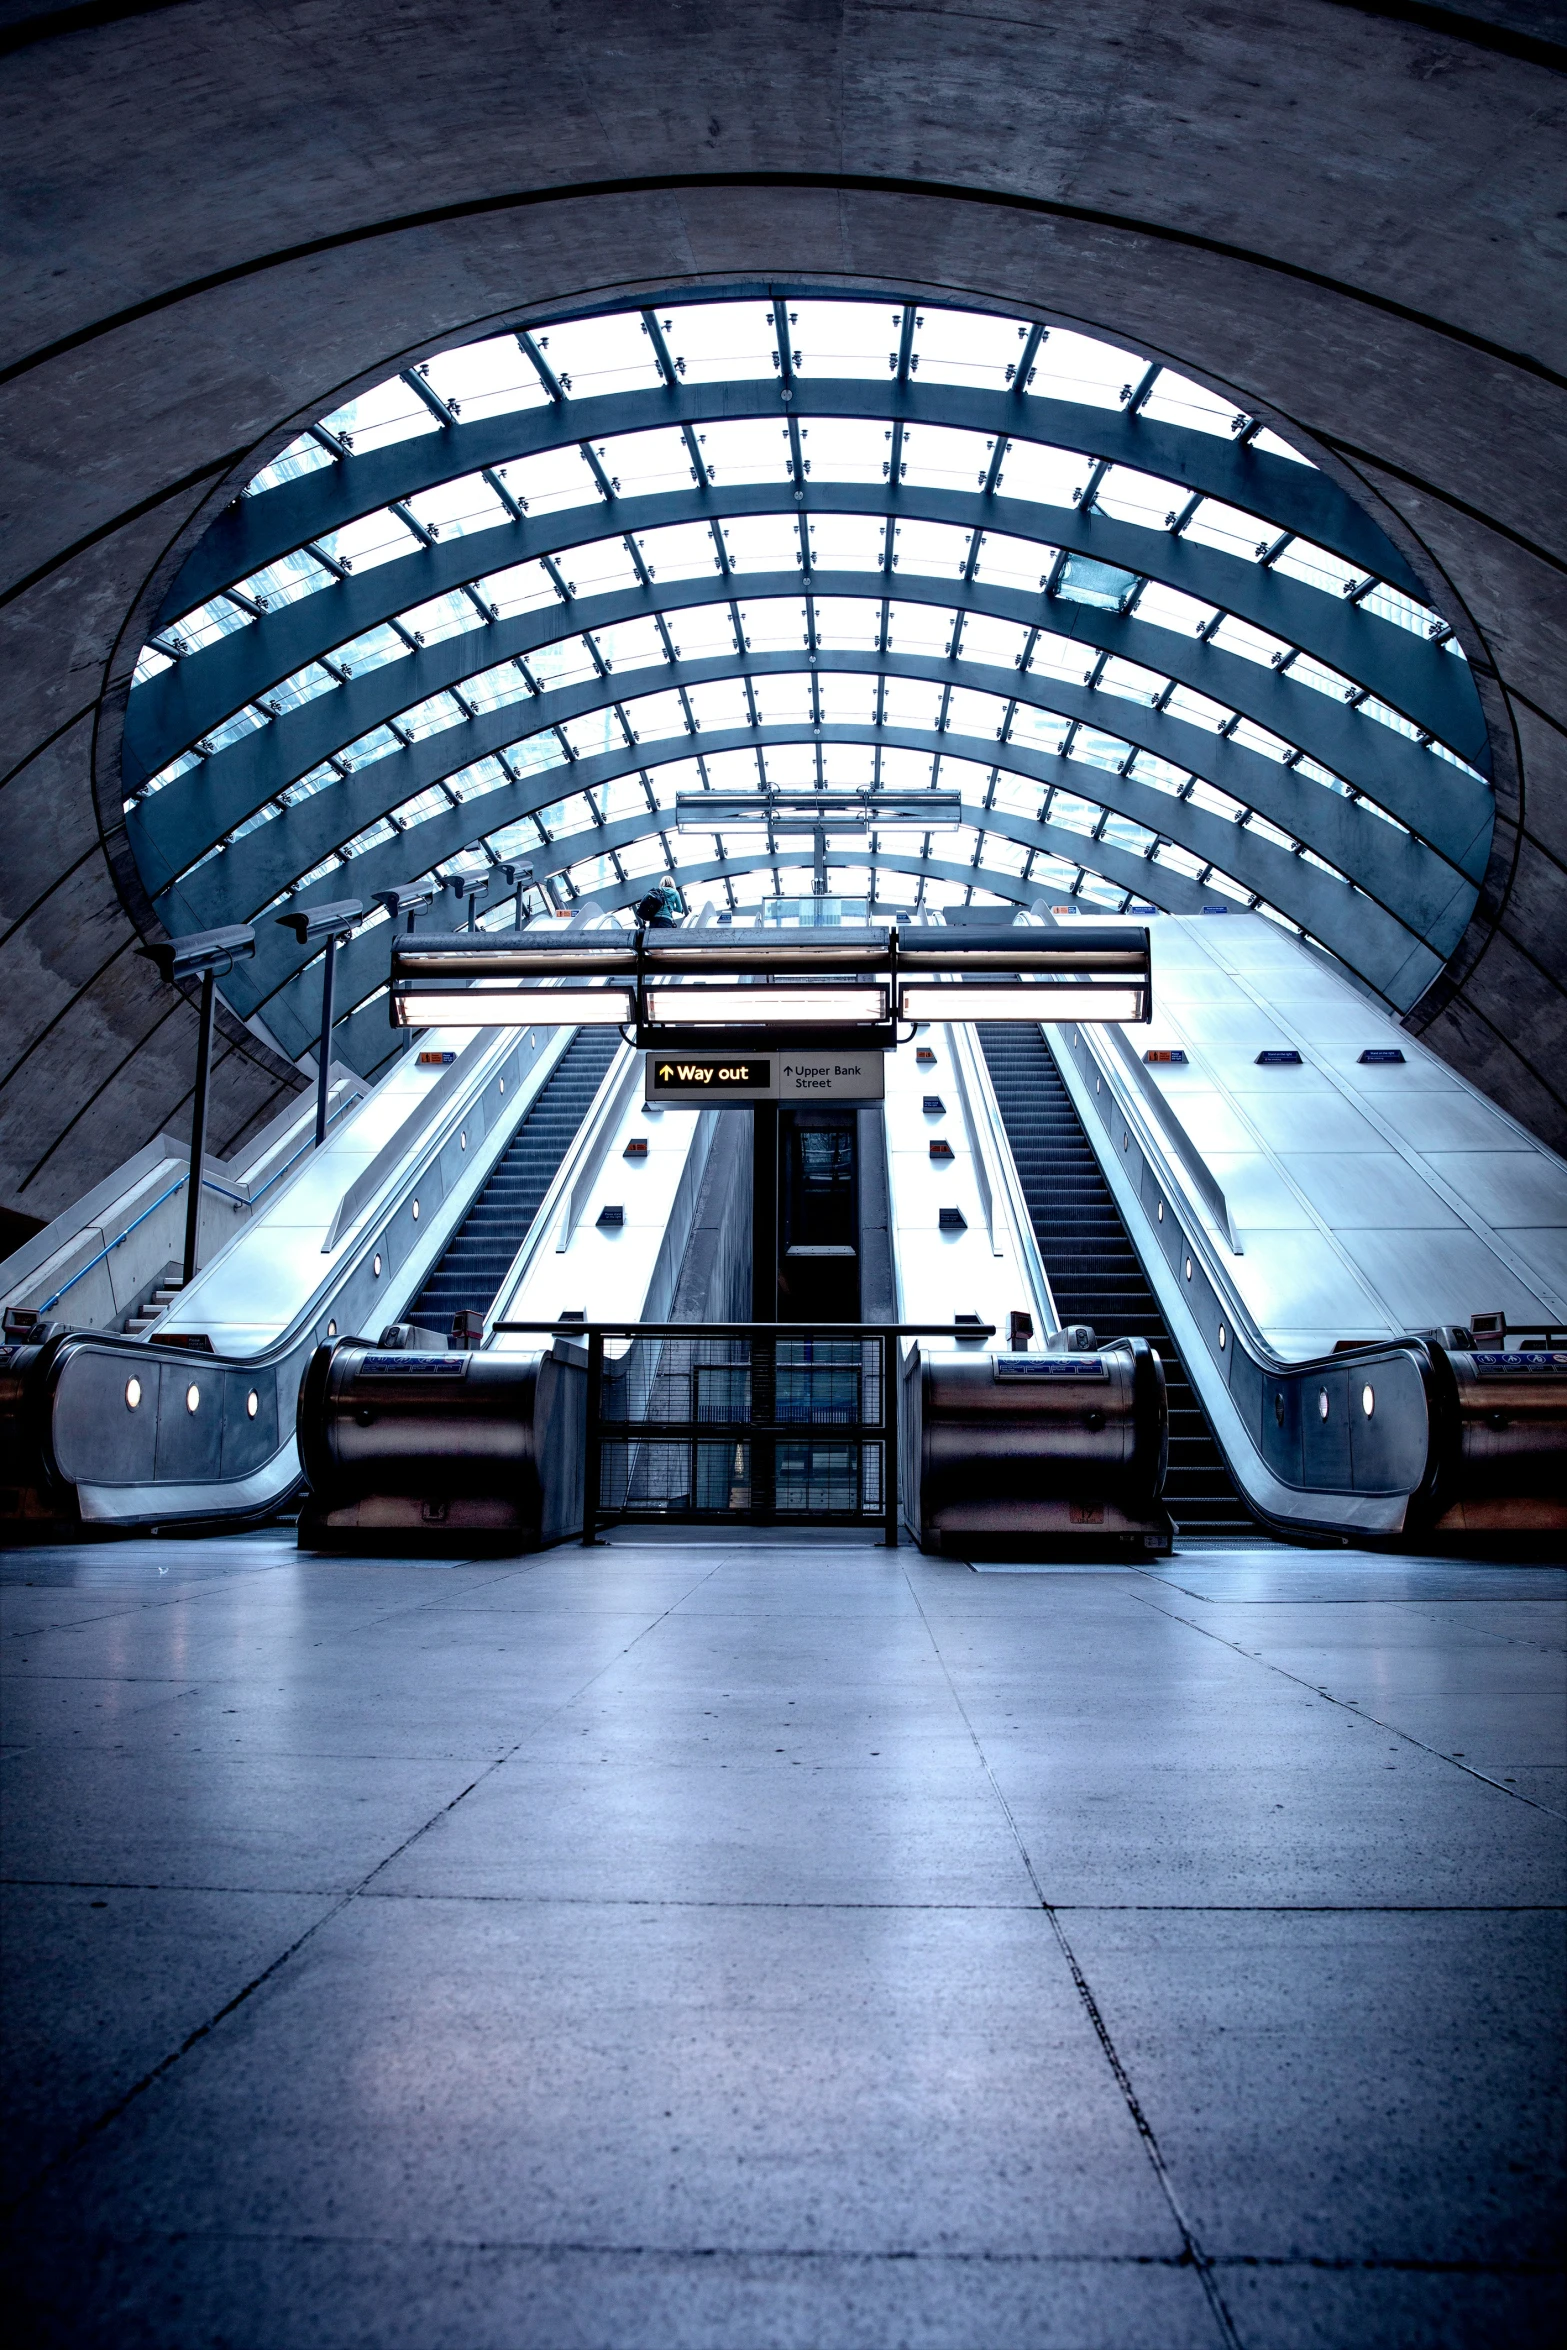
(818, 1216)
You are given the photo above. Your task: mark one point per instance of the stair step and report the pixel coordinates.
(1093, 1268)
(481, 1252)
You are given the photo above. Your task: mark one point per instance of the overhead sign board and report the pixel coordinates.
(707, 1080)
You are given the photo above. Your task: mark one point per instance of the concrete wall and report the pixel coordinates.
(227, 213)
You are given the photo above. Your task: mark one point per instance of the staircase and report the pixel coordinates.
(1093, 1266)
(497, 1224)
(156, 1304)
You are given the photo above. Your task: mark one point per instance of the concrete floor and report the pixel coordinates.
(732, 1944)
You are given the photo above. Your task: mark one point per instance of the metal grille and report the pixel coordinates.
(756, 1396)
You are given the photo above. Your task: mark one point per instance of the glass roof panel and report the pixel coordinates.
(522, 588)
(684, 551)
(846, 448)
(852, 341)
(1175, 399)
(720, 340)
(848, 700)
(847, 624)
(746, 449)
(493, 378)
(1011, 562)
(966, 347)
(936, 548)
(702, 632)
(773, 624)
(390, 411)
(306, 455)
(1045, 476)
(784, 701)
(1076, 367)
(920, 628)
(592, 357)
(847, 542)
(763, 542)
(941, 457)
(645, 464)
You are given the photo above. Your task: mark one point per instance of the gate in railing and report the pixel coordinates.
(759, 1423)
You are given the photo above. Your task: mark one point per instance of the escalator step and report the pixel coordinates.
(1093, 1268)
(482, 1250)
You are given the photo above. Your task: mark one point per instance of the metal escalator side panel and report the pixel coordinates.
(1339, 1446)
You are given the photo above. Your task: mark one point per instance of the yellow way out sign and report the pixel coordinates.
(707, 1080)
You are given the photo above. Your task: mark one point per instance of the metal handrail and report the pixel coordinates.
(208, 1183)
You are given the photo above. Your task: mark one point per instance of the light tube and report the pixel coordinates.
(516, 1007)
(764, 1007)
(1021, 1003)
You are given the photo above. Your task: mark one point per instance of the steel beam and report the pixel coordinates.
(179, 823)
(1363, 934)
(1300, 498)
(181, 705)
(1402, 873)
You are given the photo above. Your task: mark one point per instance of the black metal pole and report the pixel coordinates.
(198, 1130)
(328, 984)
(891, 1401)
(592, 1451)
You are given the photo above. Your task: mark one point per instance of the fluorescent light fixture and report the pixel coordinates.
(515, 1007)
(968, 1002)
(764, 1007)
(806, 811)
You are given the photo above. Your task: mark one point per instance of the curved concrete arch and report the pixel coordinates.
(1403, 324)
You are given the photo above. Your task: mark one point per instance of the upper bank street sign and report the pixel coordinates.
(708, 1080)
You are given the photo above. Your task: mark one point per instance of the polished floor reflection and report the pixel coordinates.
(740, 1943)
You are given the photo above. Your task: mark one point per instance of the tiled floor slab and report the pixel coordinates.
(306, 2294)
(697, 1989)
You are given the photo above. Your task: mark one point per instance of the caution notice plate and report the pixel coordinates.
(705, 1080)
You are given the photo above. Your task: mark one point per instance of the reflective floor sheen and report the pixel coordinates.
(738, 1943)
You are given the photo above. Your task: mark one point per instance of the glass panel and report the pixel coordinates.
(388, 412)
(684, 551)
(845, 448)
(717, 340)
(846, 542)
(595, 356)
(856, 341)
(486, 379)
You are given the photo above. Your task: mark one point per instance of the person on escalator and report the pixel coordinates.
(662, 908)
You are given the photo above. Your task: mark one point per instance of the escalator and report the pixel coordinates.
(1093, 1268)
(483, 1249)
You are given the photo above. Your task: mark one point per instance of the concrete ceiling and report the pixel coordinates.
(225, 215)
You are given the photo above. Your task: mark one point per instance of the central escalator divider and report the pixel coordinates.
(1092, 1265)
(482, 1250)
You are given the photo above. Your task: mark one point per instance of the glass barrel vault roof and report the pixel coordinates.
(510, 603)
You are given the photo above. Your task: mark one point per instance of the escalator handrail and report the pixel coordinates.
(984, 1112)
